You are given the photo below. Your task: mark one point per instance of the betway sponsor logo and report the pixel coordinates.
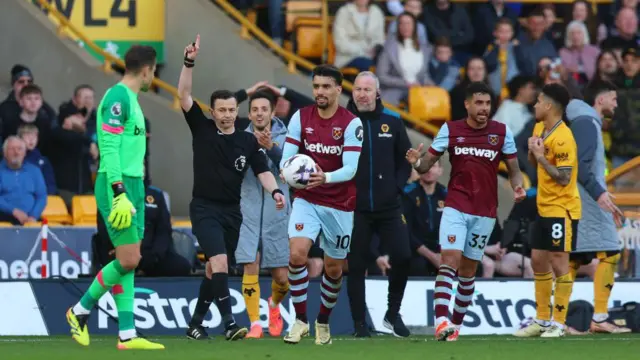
(323, 149)
(485, 153)
(19, 269)
(153, 310)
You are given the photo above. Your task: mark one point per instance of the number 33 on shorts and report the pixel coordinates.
(464, 232)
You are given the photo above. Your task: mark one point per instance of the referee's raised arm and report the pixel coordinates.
(186, 75)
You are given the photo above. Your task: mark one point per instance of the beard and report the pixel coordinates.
(608, 113)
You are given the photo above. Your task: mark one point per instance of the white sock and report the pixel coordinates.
(127, 334)
(78, 309)
(600, 317)
(561, 326)
(543, 323)
(256, 323)
(440, 320)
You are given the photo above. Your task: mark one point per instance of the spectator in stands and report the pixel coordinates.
(501, 58)
(443, 69)
(581, 11)
(10, 108)
(533, 44)
(444, 18)
(629, 76)
(475, 71)
(554, 31)
(606, 66)
(403, 62)
(553, 71)
(358, 34)
(515, 112)
(485, 23)
(159, 258)
(423, 209)
(578, 55)
(29, 134)
(625, 35)
(503, 260)
(413, 7)
(23, 194)
(32, 111)
(75, 146)
(625, 127)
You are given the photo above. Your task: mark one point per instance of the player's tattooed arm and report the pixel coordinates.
(515, 175)
(426, 162)
(561, 175)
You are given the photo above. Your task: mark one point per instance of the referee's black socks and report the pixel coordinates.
(214, 289)
(223, 297)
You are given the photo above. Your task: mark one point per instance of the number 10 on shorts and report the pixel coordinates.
(343, 242)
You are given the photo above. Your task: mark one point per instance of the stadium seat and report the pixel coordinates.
(56, 211)
(85, 210)
(308, 38)
(296, 9)
(181, 224)
(430, 103)
(331, 57)
(33, 224)
(5, 224)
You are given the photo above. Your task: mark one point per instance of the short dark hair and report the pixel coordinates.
(328, 71)
(596, 88)
(139, 56)
(221, 95)
(30, 89)
(558, 93)
(477, 87)
(263, 95)
(538, 11)
(517, 83)
(442, 41)
(503, 21)
(81, 87)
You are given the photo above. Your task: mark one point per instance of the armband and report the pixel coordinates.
(276, 191)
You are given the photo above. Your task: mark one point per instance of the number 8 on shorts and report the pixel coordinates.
(555, 234)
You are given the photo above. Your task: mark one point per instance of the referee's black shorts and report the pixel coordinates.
(216, 226)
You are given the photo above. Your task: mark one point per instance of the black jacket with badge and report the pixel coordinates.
(382, 170)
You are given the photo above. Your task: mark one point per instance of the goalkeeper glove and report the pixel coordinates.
(121, 209)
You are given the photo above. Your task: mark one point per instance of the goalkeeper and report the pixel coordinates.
(120, 197)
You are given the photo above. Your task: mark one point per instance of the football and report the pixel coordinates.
(297, 170)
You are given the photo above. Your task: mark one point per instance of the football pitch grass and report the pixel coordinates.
(623, 346)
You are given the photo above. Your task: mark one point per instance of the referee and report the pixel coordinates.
(381, 177)
(221, 156)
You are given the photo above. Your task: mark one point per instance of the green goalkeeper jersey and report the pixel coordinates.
(122, 136)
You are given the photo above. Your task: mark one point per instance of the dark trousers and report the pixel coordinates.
(394, 240)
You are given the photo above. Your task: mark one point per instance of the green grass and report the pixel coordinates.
(590, 347)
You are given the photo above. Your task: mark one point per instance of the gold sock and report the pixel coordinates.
(563, 288)
(574, 266)
(543, 286)
(603, 283)
(251, 294)
(278, 292)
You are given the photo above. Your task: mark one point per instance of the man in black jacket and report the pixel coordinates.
(381, 177)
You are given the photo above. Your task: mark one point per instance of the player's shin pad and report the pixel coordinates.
(603, 283)
(543, 283)
(563, 288)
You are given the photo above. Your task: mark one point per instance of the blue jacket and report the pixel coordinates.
(36, 158)
(23, 189)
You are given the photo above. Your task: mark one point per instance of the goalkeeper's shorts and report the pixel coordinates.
(104, 199)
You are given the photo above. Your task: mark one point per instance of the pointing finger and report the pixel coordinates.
(420, 147)
(197, 43)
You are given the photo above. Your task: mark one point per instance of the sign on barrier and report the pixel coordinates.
(164, 306)
(18, 243)
(115, 25)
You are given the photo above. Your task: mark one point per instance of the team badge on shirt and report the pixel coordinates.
(299, 227)
(337, 133)
(240, 163)
(493, 139)
(451, 238)
(384, 128)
